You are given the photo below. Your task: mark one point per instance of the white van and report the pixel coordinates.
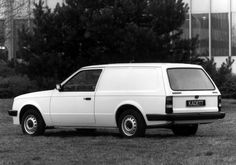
(132, 97)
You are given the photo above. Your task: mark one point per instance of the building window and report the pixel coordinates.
(234, 34)
(1, 32)
(220, 34)
(18, 25)
(219, 6)
(233, 5)
(185, 27)
(200, 6)
(200, 28)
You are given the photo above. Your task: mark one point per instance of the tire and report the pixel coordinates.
(32, 123)
(185, 130)
(131, 124)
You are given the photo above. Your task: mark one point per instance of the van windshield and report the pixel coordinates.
(189, 79)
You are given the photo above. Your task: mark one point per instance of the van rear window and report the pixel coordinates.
(189, 79)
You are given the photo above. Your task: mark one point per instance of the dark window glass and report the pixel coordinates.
(83, 81)
(185, 27)
(18, 24)
(189, 79)
(234, 34)
(2, 32)
(200, 28)
(220, 34)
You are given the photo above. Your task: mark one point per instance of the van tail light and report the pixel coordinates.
(169, 104)
(219, 102)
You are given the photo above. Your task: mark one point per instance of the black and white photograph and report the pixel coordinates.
(117, 82)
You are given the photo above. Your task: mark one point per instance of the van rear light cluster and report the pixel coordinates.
(169, 104)
(219, 102)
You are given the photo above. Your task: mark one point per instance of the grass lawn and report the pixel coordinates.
(214, 144)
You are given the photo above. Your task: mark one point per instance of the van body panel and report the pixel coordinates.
(141, 87)
(180, 103)
(144, 103)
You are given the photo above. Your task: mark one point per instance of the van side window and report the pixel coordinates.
(83, 81)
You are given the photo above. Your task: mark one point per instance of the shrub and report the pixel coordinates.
(222, 76)
(46, 83)
(228, 88)
(3, 56)
(6, 71)
(15, 85)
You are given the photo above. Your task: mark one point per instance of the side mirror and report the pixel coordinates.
(58, 87)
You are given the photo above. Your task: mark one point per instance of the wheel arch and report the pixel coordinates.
(27, 107)
(128, 105)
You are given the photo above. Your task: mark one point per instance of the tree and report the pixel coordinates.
(85, 32)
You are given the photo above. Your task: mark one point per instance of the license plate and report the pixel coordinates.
(195, 103)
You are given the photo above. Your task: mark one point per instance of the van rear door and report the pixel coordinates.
(193, 90)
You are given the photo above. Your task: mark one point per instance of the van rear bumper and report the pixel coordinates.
(186, 116)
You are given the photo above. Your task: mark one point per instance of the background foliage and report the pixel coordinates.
(87, 32)
(13, 84)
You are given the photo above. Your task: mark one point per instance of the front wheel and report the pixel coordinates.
(131, 124)
(32, 123)
(185, 130)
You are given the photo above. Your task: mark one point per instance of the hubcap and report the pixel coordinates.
(129, 125)
(30, 124)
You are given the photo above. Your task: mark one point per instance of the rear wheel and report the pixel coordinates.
(32, 123)
(185, 130)
(131, 124)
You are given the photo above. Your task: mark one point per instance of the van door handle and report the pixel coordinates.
(87, 98)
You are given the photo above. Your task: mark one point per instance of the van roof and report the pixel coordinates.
(166, 65)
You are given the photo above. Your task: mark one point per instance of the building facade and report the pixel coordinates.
(13, 15)
(214, 22)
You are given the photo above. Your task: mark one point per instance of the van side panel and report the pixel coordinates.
(132, 79)
(141, 87)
